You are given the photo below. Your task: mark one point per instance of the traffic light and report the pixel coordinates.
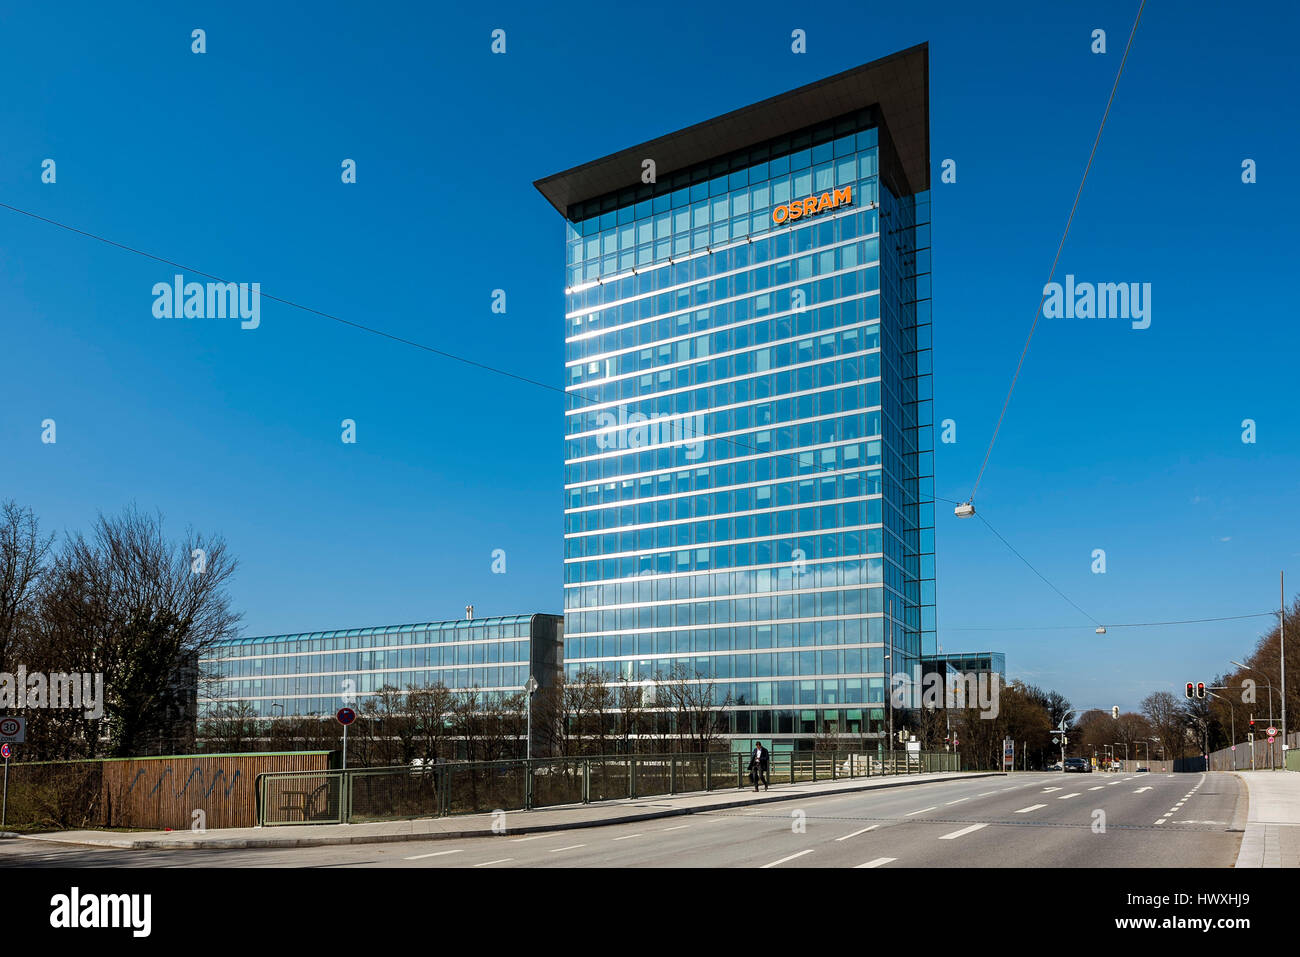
(1114, 712)
(1200, 689)
(1190, 688)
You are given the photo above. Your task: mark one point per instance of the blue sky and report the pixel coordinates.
(1120, 439)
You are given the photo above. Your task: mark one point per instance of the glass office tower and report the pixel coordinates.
(748, 457)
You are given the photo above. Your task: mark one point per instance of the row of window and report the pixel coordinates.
(784, 522)
(738, 358)
(648, 320)
(769, 608)
(667, 488)
(480, 630)
(742, 637)
(710, 222)
(749, 581)
(341, 684)
(427, 656)
(742, 555)
(601, 307)
(847, 135)
(827, 488)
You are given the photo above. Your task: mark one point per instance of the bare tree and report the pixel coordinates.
(23, 554)
(430, 709)
(139, 609)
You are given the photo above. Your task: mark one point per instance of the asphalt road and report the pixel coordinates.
(1023, 820)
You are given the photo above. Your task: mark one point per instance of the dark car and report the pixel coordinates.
(1077, 764)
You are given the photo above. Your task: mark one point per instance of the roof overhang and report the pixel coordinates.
(898, 85)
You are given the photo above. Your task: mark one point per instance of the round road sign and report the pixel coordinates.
(346, 716)
(9, 726)
(1271, 731)
(5, 751)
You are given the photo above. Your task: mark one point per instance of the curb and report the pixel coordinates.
(272, 842)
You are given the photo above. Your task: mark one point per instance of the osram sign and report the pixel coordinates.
(812, 205)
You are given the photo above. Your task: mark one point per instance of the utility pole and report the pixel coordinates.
(1281, 647)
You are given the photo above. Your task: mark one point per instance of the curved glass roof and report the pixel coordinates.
(379, 630)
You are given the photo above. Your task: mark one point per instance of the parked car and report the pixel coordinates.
(1077, 764)
(1052, 767)
(1140, 770)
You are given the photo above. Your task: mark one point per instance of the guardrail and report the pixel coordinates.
(376, 794)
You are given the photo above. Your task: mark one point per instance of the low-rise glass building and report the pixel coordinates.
(316, 673)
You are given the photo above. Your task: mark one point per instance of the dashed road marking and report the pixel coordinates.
(1032, 807)
(500, 860)
(567, 847)
(921, 810)
(627, 837)
(965, 830)
(677, 827)
(879, 861)
(856, 833)
(784, 859)
(1064, 797)
(420, 857)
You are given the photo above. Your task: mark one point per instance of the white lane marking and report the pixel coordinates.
(1163, 819)
(570, 847)
(626, 837)
(986, 794)
(1099, 787)
(1065, 796)
(921, 810)
(535, 837)
(1050, 790)
(1140, 790)
(958, 801)
(784, 859)
(856, 833)
(677, 827)
(420, 857)
(1032, 807)
(500, 860)
(878, 862)
(965, 830)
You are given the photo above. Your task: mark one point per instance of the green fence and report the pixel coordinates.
(378, 794)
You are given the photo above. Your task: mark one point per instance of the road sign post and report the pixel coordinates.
(5, 750)
(13, 730)
(345, 717)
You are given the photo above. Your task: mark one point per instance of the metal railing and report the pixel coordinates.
(378, 794)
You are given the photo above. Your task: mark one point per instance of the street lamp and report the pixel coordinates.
(530, 688)
(1123, 744)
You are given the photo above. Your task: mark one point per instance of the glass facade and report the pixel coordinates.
(748, 450)
(305, 674)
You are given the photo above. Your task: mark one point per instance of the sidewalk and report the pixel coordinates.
(480, 825)
(1272, 837)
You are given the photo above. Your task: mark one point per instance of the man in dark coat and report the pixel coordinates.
(759, 762)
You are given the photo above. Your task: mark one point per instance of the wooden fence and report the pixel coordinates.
(152, 793)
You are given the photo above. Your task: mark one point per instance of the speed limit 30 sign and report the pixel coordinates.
(13, 730)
